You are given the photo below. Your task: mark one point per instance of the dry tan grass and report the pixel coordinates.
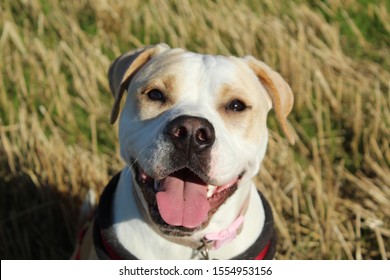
(330, 192)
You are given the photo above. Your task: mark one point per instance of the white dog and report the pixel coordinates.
(193, 134)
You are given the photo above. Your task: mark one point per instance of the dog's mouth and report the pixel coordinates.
(182, 200)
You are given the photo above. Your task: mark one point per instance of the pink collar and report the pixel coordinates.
(224, 236)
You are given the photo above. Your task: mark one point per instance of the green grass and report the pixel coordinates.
(360, 21)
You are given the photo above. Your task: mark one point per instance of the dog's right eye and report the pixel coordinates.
(156, 95)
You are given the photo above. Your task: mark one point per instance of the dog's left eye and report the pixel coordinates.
(156, 95)
(236, 105)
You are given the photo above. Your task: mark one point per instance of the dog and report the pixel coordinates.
(193, 133)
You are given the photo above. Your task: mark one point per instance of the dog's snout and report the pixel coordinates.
(191, 134)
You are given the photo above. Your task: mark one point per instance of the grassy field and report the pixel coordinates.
(330, 192)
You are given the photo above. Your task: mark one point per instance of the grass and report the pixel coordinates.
(330, 192)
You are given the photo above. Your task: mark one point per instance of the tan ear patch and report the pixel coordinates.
(124, 68)
(278, 90)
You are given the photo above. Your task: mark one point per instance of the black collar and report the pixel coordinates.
(108, 247)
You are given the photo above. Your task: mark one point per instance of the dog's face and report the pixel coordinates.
(193, 128)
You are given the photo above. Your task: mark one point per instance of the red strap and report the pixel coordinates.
(110, 251)
(264, 252)
(80, 237)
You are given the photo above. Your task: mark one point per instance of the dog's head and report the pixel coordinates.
(193, 128)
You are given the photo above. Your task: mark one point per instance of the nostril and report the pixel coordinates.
(180, 132)
(202, 135)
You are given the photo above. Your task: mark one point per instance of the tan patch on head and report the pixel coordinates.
(148, 108)
(247, 122)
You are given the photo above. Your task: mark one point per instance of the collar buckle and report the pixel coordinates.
(204, 248)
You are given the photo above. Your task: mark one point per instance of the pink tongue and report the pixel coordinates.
(182, 203)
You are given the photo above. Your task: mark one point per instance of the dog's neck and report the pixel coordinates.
(136, 234)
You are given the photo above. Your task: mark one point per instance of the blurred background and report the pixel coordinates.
(330, 192)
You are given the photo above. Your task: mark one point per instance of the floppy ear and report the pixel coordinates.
(124, 68)
(277, 88)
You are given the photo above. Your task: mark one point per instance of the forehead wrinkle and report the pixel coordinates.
(218, 71)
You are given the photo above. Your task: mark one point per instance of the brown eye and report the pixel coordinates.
(156, 95)
(236, 106)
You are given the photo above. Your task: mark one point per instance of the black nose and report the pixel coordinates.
(191, 134)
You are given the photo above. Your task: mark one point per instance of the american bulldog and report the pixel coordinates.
(193, 133)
